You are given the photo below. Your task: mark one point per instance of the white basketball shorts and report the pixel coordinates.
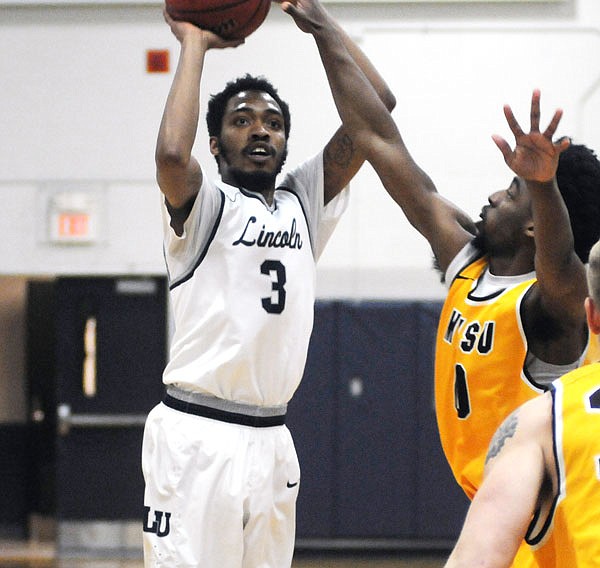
(218, 495)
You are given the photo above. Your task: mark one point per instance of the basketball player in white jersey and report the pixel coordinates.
(221, 471)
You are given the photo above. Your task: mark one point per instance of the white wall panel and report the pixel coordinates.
(451, 84)
(129, 241)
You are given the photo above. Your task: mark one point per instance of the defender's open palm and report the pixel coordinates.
(535, 156)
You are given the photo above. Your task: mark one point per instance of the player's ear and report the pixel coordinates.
(213, 144)
(593, 315)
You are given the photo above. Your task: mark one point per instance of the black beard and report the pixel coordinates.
(479, 243)
(254, 181)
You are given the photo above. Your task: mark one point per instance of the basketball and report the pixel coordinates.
(230, 19)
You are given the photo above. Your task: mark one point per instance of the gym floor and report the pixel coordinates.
(41, 555)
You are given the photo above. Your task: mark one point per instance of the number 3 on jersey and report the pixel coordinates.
(275, 303)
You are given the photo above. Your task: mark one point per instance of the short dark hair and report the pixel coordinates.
(218, 102)
(578, 177)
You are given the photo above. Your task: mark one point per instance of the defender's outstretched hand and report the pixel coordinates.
(535, 156)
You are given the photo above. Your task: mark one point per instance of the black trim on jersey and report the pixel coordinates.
(459, 275)
(473, 298)
(257, 195)
(223, 415)
(530, 538)
(531, 380)
(310, 227)
(203, 252)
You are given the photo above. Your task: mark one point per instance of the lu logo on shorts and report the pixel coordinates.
(157, 527)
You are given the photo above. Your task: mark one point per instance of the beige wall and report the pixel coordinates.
(12, 349)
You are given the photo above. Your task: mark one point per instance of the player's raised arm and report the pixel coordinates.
(561, 287)
(342, 157)
(178, 173)
(341, 162)
(369, 132)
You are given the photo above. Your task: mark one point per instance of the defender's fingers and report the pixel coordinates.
(549, 132)
(503, 146)
(535, 111)
(512, 122)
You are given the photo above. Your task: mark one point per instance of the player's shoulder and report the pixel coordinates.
(534, 419)
(307, 171)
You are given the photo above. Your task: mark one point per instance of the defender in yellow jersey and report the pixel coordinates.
(513, 320)
(480, 342)
(544, 466)
(542, 226)
(539, 228)
(543, 474)
(574, 519)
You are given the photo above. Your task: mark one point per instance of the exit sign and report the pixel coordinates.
(73, 225)
(73, 218)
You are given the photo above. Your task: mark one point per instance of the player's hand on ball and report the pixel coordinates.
(229, 19)
(181, 29)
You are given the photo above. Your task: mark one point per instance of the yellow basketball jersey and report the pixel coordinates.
(479, 370)
(574, 522)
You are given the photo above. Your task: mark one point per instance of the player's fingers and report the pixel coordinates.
(293, 10)
(512, 122)
(234, 42)
(551, 129)
(288, 7)
(535, 111)
(218, 42)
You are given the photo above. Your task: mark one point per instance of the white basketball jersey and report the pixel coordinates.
(242, 280)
